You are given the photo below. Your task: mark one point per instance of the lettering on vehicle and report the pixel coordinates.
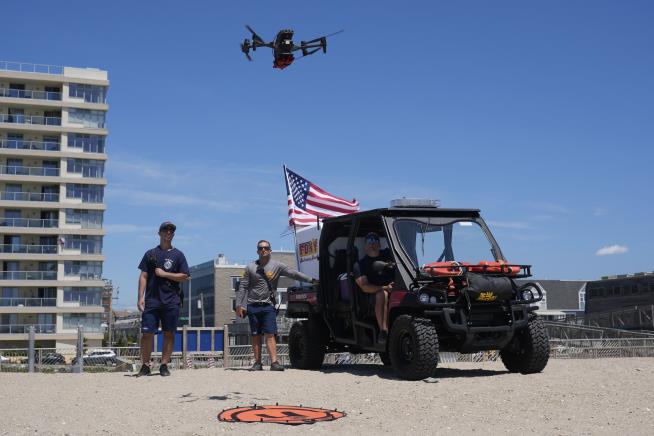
(487, 296)
(308, 250)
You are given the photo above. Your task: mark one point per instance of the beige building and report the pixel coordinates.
(52, 158)
(213, 287)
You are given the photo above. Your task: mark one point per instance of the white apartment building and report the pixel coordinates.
(52, 159)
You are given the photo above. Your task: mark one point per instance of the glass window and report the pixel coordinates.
(87, 118)
(92, 322)
(88, 143)
(89, 219)
(85, 270)
(86, 244)
(236, 282)
(90, 93)
(84, 296)
(88, 193)
(425, 241)
(86, 167)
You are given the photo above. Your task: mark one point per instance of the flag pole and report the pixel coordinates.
(288, 194)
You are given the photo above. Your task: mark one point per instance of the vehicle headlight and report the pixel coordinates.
(424, 298)
(433, 300)
(527, 295)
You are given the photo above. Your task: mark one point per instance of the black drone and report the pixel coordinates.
(283, 46)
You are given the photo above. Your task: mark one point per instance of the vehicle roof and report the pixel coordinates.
(408, 211)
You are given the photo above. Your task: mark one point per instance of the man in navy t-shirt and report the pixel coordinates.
(163, 268)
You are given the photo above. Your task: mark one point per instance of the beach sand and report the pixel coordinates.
(598, 396)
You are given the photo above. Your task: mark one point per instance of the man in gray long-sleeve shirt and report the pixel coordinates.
(255, 297)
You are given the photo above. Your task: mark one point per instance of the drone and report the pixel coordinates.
(283, 46)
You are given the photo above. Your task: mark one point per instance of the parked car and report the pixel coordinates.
(99, 357)
(4, 359)
(50, 359)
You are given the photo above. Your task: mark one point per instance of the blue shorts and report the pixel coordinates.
(166, 315)
(263, 319)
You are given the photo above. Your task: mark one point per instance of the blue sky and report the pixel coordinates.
(540, 114)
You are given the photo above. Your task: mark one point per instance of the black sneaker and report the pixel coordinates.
(164, 371)
(275, 366)
(145, 370)
(256, 367)
(383, 337)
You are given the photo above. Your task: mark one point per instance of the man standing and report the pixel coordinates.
(256, 298)
(162, 270)
(377, 283)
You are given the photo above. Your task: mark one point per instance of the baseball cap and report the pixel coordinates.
(167, 224)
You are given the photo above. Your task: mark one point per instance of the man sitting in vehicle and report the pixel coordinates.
(377, 283)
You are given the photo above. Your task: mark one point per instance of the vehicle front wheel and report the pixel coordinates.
(529, 350)
(413, 347)
(306, 347)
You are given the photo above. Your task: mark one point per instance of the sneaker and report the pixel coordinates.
(275, 366)
(164, 371)
(145, 370)
(383, 336)
(256, 367)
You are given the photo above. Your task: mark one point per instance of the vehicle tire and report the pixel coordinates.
(529, 350)
(385, 358)
(306, 346)
(413, 347)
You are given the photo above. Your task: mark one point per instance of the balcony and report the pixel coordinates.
(28, 222)
(28, 93)
(28, 302)
(28, 249)
(30, 119)
(16, 170)
(25, 67)
(25, 328)
(19, 144)
(29, 196)
(28, 275)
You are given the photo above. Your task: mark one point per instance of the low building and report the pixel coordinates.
(562, 299)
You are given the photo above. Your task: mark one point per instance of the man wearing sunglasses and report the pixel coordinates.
(377, 283)
(255, 298)
(162, 270)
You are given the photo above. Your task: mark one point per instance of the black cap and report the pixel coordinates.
(372, 235)
(167, 224)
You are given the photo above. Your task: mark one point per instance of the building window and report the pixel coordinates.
(92, 322)
(85, 270)
(86, 244)
(236, 282)
(87, 193)
(90, 93)
(87, 118)
(88, 143)
(83, 296)
(89, 219)
(86, 167)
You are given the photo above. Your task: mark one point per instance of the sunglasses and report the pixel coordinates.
(372, 240)
(267, 248)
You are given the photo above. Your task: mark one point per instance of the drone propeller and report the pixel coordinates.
(255, 38)
(245, 48)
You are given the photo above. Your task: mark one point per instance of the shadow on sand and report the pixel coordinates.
(386, 372)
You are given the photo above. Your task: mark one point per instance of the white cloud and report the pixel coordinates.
(611, 249)
(514, 225)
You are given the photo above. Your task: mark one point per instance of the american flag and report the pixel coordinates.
(307, 202)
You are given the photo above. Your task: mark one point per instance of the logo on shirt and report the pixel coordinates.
(270, 275)
(168, 264)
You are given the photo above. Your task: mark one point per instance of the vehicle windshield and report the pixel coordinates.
(427, 240)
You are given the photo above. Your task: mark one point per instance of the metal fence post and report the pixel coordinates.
(30, 349)
(226, 362)
(78, 368)
(184, 345)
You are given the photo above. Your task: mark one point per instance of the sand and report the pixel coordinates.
(600, 396)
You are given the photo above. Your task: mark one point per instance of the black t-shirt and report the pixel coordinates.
(381, 278)
(160, 291)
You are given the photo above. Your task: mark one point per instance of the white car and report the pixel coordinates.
(4, 359)
(99, 357)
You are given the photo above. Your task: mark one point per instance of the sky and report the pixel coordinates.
(541, 114)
